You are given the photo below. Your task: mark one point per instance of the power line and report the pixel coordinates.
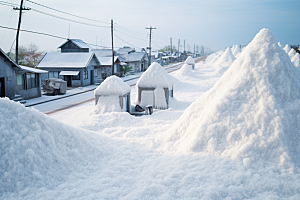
(66, 12)
(128, 30)
(130, 35)
(125, 41)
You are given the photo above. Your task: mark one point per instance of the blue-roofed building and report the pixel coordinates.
(74, 45)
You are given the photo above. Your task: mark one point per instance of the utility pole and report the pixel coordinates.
(184, 55)
(194, 50)
(150, 44)
(171, 50)
(18, 31)
(112, 47)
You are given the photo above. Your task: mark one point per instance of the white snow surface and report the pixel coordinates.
(109, 103)
(190, 60)
(236, 50)
(292, 53)
(280, 45)
(79, 154)
(224, 61)
(253, 111)
(296, 60)
(112, 85)
(287, 48)
(185, 70)
(155, 76)
(160, 98)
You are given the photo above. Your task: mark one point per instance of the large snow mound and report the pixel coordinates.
(36, 150)
(253, 111)
(225, 60)
(287, 48)
(185, 70)
(112, 85)
(155, 76)
(236, 51)
(292, 53)
(190, 61)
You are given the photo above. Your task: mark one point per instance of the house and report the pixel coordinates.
(137, 60)
(75, 64)
(154, 87)
(105, 67)
(18, 82)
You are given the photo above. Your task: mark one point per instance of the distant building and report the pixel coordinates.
(18, 82)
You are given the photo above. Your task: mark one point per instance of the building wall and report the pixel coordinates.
(7, 71)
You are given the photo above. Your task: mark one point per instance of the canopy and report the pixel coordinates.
(70, 73)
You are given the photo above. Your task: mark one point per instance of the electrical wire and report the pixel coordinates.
(128, 30)
(125, 41)
(66, 12)
(130, 35)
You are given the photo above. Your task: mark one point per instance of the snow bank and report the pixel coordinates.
(224, 62)
(108, 104)
(185, 70)
(39, 151)
(292, 53)
(112, 85)
(211, 59)
(287, 48)
(296, 60)
(237, 50)
(190, 61)
(253, 111)
(155, 76)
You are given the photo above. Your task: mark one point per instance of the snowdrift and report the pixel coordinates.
(224, 61)
(296, 60)
(292, 53)
(36, 150)
(252, 113)
(287, 48)
(185, 70)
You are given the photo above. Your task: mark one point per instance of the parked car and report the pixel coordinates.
(54, 86)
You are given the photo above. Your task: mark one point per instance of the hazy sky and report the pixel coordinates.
(214, 23)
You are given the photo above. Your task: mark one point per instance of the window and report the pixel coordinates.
(20, 82)
(95, 72)
(53, 74)
(85, 74)
(31, 81)
(77, 77)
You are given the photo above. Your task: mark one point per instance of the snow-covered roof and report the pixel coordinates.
(112, 85)
(102, 52)
(35, 70)
(107, 60)
(124, 50)
(190, 61)
(66, 60)
(155, 76)
(79, 43)
(135, 56)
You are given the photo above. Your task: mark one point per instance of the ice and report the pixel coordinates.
(155, 76)
(112, 85)
(292, 53)
(251, 112)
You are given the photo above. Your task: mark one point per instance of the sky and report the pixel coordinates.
(215, 24)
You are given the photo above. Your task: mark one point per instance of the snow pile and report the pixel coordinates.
(147, 98)
(190, 61)
(224, 61)
(292, 53)
(237, 51)
(185, 70)
(280, 45)
(39, 151)
(160, 98)
(108, 104)
(112, 85)
(155, 76)
(287, 48)
(211, 59)
(251, 114)
(296, 60)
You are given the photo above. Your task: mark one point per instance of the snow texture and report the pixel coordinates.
(155, 76)
(296, 60)
(236, 51)
(224, 61)
(185, 70)
(112, 85)
(147, 98)
(280, 45)
(190, 61)
(160, 98)
(287, 48)
(109, 103)
(253, 111)
(292, 53)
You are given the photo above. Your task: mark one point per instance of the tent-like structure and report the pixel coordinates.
(111, 91)
(190, 61)
(154, 87)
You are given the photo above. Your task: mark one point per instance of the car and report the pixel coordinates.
(54, 86)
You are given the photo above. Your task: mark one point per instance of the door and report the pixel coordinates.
(69, 80)
(2, 87)
(92, 77)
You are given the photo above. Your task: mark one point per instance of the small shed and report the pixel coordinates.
(154, 87)
(113, 93)
(190, 61)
